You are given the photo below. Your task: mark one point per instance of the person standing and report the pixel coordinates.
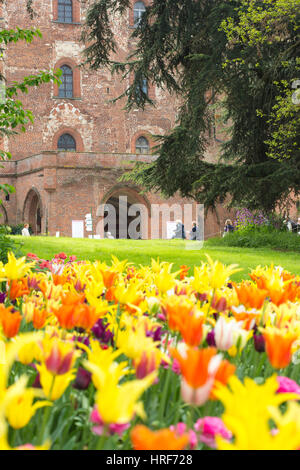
(228, 227)
(193, 233)
(25, 231)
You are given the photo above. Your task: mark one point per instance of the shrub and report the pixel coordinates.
(17, 229)
(7, 243)
(260, 237)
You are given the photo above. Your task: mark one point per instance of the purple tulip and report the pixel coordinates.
(102, 332)
(210, 338)
(259, 343)
(83, 379)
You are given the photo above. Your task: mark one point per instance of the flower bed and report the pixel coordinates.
(117, 357)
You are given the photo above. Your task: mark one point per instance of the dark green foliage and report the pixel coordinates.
(7, 244)
(17, 229)
(260, 237)
(201, 51)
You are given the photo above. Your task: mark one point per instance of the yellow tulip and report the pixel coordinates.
(248, 410)
(119, 404)
(15, 268)
(54, 385)
(18, 403)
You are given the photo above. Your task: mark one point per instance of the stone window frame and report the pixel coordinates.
(76, 79)
(136, 136)
(131, 12)
(67, 86)
(71, 139)
(142, 146)
(73, 133)
(76, 20)
(137, 17)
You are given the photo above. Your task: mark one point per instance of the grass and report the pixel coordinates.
(174, 251)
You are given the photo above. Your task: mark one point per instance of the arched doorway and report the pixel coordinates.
(124, 215)
(33, 212)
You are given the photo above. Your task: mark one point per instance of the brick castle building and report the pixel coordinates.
(70, 159)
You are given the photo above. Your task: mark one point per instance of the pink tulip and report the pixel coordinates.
(113, 428)
(210, 427)
(287, 385)
(180, 429)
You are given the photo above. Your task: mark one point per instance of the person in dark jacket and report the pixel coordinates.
(228, 227)
(193, 234)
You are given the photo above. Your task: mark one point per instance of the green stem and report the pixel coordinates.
(164, 394)
(102, 438)
(46, 414)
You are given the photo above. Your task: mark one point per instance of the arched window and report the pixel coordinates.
(65, 11)
(138, 11)
(66, 142)
(141, 87)
(142, 145)
(66, 88)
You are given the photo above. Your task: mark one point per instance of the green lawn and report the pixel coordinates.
(175, 251)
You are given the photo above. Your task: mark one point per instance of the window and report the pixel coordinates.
(66, 142)
(142, 145)
(141, 87)
(65, 11)
(7, 197)
(66, 88)
(138, 11)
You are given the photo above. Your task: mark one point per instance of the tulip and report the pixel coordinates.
(83, 379)
(113, 428)
(210, 427)
(224, 329)
(287, 385)
(144, 439)
(181, 429)
(210, 338)
(10, 321)
(259, 343)
(279, 346)
(20, 408)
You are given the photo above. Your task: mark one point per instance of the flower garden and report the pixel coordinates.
(113, 356)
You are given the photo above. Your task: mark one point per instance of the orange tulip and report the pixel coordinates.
(109, 278)
(85, 316)
(18, 288)
(279, 346)
(39, 318)
(224, 372)
(183, 271)
(75, 313)
(59, 280)
(289, 290)
(194, 364)
(249, 319)
(289, 293)
(177, 309)
(10, 321)
(143, 438)
(201, 370)
(191, 328)
(249, 295)
(110, 295)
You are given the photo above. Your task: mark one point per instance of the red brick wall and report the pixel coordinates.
(70, 184)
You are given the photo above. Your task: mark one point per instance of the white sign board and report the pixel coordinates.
(171, 229)
(77, 229)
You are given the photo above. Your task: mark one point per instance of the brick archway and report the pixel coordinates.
(124, 213)
(33, 211)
